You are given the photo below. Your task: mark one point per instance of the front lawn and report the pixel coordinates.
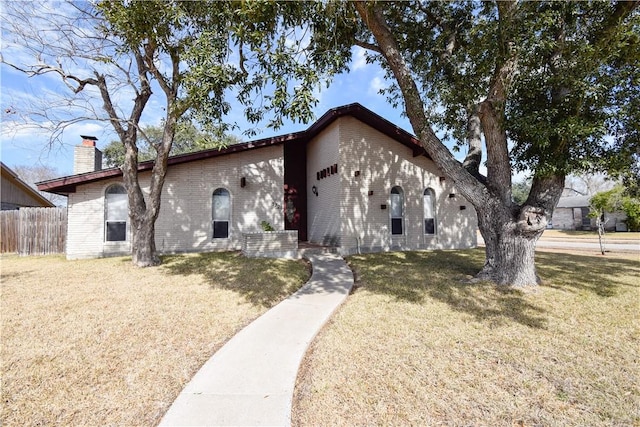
(416, 344)
(100, 342)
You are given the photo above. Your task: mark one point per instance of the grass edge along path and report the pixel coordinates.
(101, 342)
(415, 344)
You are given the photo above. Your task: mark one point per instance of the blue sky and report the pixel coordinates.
(24, 145)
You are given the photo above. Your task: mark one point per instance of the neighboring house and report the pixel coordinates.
(572, 213)
(352, 180)
(15, 193)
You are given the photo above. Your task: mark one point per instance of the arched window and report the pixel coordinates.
(429, 200)
(116, 214)
(397, 210)
(221, 213)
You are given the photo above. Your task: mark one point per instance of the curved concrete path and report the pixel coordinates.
(250, 380)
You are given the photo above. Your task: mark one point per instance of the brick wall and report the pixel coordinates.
(185, 222)
(280, 244)
(85, 223)
(323, 222)
(383, 163)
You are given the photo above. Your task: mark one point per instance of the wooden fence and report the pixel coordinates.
(33, 231)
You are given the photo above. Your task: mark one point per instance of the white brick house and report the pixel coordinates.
(352, 180)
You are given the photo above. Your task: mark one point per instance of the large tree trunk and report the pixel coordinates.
(510, 232)
(510, 252)
(143, 245)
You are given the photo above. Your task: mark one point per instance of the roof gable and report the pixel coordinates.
(8, 174)
(68, 184)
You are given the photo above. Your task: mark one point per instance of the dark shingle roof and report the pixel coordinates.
(574, 202)
(68, 184)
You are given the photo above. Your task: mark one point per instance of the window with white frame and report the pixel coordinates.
(397, 210)
(221, 213)
(116, 214)
(429, 200)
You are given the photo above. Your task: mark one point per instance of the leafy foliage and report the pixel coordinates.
(573, 104)
(266, 226)
(520, 191)
(271, 56)
(187, 139)
(615, 200)
(576, 64)
(529, 84)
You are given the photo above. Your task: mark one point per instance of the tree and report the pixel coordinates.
(187, 140)
(548, 78)
(179, 52)
(617, 200)
(588, 183)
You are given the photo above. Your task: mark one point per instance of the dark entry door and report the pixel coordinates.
(295, 194)
(293, 211)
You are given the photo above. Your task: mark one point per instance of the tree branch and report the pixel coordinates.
(368, 46)
(474, 140)
(492, 109)
(469, 186)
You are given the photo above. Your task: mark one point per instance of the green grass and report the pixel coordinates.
(417, 344)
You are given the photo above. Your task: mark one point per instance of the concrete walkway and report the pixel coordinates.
(250, 380)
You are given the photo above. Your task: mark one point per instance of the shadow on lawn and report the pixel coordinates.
(442, 276)
(260, 281)
(601, 275)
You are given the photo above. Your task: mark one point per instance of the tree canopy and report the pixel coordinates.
(617, 200)
(187, 139)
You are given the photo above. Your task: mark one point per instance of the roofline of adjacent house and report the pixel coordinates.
(67, 184)
(574, 202)
(8, 172)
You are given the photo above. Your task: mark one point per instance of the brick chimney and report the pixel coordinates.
(86, 157)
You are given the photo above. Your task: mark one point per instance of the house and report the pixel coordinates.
(573, 213)
(15, 193)
(352, 180)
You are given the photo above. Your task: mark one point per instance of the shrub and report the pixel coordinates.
(615, 200)
(266, 226)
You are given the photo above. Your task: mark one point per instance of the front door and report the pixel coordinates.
(295, 195)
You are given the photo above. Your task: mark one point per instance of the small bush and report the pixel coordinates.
(266, 226)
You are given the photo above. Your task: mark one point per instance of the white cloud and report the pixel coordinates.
(359, 60)
(376, 84)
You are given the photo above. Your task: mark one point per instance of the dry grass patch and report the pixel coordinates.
(580, 234)
(417, 345)
(100, 342)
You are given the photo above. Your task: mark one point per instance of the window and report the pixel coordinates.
(397, 210)
(429, 200)
(116, 214)
(221, 212)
